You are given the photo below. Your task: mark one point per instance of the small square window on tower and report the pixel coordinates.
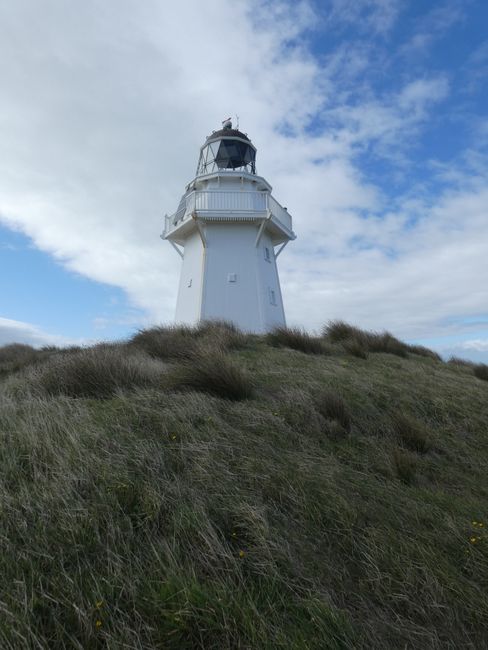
(267, 254)
(232, 277)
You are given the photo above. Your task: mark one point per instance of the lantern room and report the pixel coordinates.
(227, 149)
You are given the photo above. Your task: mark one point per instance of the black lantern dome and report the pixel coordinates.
(228, 149)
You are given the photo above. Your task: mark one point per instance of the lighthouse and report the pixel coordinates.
(229, 231)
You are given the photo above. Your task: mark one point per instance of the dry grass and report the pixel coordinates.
(463, 363)
(359, 342)
(422, 351)
(356, 347)
(223, 334)
(166, 342)
(338, 331)
(182, 342)
(97, 372)
(215, 373)
(16, 356)
(296, 339)
(405, 464)
(481, 371)
(412, 433)
(333, 407)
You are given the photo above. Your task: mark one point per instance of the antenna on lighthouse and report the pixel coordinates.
(237, 122)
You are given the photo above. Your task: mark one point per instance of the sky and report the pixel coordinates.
(369, 117)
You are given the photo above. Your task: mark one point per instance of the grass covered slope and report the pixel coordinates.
(206, 489)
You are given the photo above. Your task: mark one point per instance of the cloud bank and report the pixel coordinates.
(105, 107)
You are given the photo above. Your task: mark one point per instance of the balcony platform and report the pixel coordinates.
(231, 206)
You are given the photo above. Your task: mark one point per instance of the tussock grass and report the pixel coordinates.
(340, 332)
(422, 351)
(164, 343)
(457, 361)
(223, 334)
(183, 342)
(412, 433)
(98, 372)
(16, 356)
(405, 464)
(215, 373)
(356, 347)
(296, 339)
(481, 371)
(177, 519)
(332, 406)
(359, 342)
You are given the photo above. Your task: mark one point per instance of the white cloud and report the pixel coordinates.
(435, 24)
(376, 15)
(105, 108)
(12, 331)
(480, 345)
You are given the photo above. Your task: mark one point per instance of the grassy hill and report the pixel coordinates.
(207, 489)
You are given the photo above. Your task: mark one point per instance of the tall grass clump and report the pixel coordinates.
(356, 347)
(411, 432)
(481, 371)
(166, 342)
(214, 372)
(332, 406)
(359, 342)
(175, 342)
(406, 465)
(338, 331)
(296, 339)
(97, 372)
(462, 363)
(352, 337)
(222, 334)
(422, 351)
(15, 356)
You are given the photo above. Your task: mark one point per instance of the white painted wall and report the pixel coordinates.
(188, 305)
(230, 279)
(273, 314)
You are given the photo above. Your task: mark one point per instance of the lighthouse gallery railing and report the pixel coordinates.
(229, 202)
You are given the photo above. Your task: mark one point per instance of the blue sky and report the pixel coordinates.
(370, 119)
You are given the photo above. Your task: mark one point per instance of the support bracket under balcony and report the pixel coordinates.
(200, 229)
(176, 248)
(281, 248)
(261, 228)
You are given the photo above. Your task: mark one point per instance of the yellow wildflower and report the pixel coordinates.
(241, 553)
(98, 623)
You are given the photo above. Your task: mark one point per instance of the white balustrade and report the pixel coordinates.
(229, 202)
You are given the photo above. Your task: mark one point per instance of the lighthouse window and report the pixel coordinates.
(272, 297)
(267, 255)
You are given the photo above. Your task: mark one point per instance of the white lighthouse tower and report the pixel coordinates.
(229, 230)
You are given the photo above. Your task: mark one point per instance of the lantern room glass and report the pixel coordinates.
(227, 154)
